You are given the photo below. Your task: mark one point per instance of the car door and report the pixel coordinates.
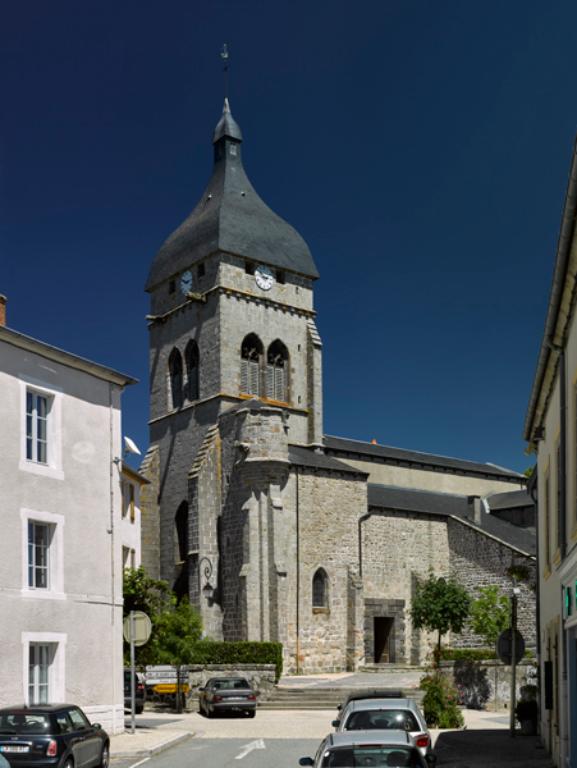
(87, 740)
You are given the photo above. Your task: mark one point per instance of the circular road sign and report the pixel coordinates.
(505, 646)
(141, 625)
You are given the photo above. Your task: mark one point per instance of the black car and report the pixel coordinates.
(52, 736)
(140, 692)
(227, 694)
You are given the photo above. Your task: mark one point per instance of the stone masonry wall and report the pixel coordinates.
(329, 505)
(398, 549)
(479, 561)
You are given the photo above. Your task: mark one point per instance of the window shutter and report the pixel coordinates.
(270, 382)
(279, 384)
(244, 375)
(254, 384)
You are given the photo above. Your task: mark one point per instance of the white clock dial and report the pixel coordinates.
(264, 277)
(186, 281)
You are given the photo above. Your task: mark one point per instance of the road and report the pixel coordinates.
(229, 753)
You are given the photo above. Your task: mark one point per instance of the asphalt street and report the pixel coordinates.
(226, 753)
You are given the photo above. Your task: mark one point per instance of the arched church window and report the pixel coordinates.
(277, 372)
(251, 355)
(181, 531)
(320, 589)
(175, 374)
(192, 372)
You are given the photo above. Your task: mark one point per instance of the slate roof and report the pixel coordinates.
(424, 460)
(308, 457)
(231, 217)
(450, 505)
(510, 500)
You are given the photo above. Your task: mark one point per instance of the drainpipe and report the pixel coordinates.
(298, 578)
(114, 465)
(362, 519)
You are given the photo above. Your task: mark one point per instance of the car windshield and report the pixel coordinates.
(375, 756)
(230, 685)
(24, 722)
(382, 719)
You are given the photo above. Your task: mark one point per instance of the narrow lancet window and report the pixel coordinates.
(250, 365)
(277, 372)
(175, 377)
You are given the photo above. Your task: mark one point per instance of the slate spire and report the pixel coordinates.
(231, 217)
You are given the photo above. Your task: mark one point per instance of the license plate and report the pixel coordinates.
(235, 698)
(13, 748)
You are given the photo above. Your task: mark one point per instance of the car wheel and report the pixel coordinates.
(104, 757)
(251, 712)
(139, 710)
(69, 763)
(208, 712)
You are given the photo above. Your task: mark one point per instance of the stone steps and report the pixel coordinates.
(316, 697)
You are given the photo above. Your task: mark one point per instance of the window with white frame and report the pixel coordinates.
(39, 543)
(40, 660)
(42, 554)
(37, 415)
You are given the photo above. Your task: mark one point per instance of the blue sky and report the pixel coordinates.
(421, 148)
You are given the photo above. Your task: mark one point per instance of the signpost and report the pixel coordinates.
(137, 628)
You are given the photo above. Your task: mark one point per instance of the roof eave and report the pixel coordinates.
(554, 334)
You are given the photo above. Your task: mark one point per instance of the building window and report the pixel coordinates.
(249, 267)
(39, 542)
(201, 270)
(181, 530)
(277, 372)
(320, 589)
(175, 378)
(172, 286)
(280, 277)
(250, 365)
(129, 501)
(128, 558)
(40, 659)
(37, 410)
(192, 371)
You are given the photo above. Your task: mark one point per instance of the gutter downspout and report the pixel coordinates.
(113, 465)
(298, 577)
(562, 511)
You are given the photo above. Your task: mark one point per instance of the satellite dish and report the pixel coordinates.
(130, 447)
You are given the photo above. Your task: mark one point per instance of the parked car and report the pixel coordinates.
(52, 736)
(372, 693)
(352, 749)
(386, 714)
(140, 692)
(227, 694)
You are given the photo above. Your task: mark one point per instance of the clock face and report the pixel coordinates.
(186, 281)
(264, 277)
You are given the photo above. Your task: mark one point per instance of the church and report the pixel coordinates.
(271, 528)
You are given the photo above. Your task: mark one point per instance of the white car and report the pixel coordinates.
(378, 749)
(386, 714)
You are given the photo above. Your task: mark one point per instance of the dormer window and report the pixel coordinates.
(249, 267)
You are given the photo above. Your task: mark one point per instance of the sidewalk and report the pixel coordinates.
(155, 732)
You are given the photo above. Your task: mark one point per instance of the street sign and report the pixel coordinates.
(505, 646)
(137, 628)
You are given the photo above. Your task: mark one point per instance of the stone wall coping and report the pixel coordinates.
(448, 664)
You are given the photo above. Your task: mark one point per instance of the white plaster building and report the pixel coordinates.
(130, 529)
(551, 428)
(60, 548)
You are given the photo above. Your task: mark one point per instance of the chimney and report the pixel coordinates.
(474, 504)
(2, 310)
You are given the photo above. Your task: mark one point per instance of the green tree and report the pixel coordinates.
(176, 630)
(440, 605)
(143, 593)
(490, 614)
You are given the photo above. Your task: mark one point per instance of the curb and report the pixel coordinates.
(171, 742)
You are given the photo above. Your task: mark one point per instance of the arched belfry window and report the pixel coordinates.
(251, 355)
(277, 372)
(192, 372)
(320, 589)
(175, 376)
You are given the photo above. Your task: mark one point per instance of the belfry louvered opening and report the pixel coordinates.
(251, 356)
(175, 378)
(192, 372)
(277, 372)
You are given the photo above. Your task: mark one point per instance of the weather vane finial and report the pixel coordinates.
(224, 57)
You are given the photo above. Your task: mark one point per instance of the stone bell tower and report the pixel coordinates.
(231, 321)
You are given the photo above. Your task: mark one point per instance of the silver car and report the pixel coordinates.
(386, 714)
(378, 749)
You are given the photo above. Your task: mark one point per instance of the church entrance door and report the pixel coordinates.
(383, 633)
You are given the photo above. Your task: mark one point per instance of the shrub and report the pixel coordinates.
(440, 703)
(245, 652)
(474, 654)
